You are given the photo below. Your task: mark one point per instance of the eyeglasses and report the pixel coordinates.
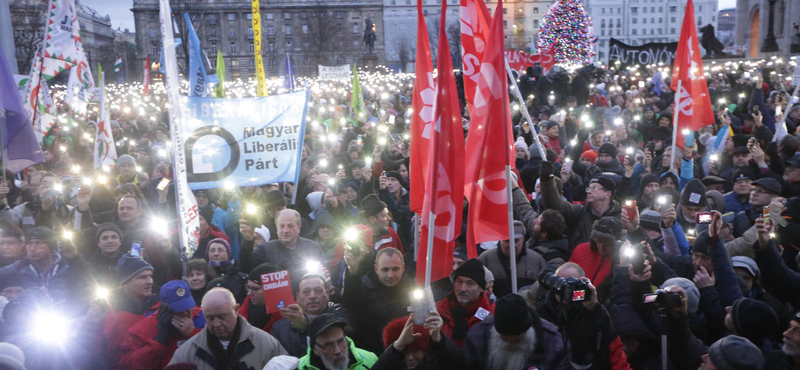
(596, 188)
(253, 289)
(328, 347)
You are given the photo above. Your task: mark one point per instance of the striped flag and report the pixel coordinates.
(118, 65)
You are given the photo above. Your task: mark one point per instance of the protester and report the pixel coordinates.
(330, 349)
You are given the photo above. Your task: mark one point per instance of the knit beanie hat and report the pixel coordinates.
(694, 194)
(396, 175)
(606, 231)
(207, 213)
(129, 266)
(371, 206)
(264, 268)
(647, 179)
(735, 353)
(472, 269)
(108, 226)
(520, 143)
(219, 241)
(608, 148)
(512, 315)
(274, 199)
(590, 155)
(692, 293)
(650, 220)
(753, 319)
(44, 234)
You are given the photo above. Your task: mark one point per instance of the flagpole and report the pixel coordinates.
(524, 110)
(782, 125)
(677, 112)
(512, 245)
(429, 247)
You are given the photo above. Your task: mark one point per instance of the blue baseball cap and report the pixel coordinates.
(177, 296)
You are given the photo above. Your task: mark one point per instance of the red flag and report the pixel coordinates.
(422, 113)
(489, 146)
(444, 185)
(475, 20)
(693, 109)
(146, 81)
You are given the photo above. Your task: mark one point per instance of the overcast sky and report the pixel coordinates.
(122, 17)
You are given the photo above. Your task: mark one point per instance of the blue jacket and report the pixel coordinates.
(733, 204)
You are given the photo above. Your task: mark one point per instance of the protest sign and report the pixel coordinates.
(334, 72)
(248, 142)
(650, 53)
(520, 60)
(277, 290)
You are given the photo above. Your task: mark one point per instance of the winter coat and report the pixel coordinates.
(529, 264)
(370, 305)
(359, 359)
(28, 215)
(275, 252)
(775, 276)
(550, 353)
(244, 311)
(254, 349)
(596, 266)
(388, 239)
(580, 218)
(294, 340)
(144, 353)
(441, 355)
(734, 204)
(103, 268)
(453, 316)
(60, 280)
(123, 315)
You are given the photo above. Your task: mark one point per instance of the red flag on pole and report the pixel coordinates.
(693, 104)
(489, 146)
(444, 185)
(422, 113)
(146, 82)
(475, 21)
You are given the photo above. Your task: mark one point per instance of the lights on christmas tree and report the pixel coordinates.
(567, 28)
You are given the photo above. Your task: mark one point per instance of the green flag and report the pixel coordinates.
(219, 90)
(357, 99)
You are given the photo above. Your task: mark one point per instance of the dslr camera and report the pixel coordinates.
(570, 290)
(663, 300)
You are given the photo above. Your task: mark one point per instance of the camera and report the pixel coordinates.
(663, 300)
(570, 289)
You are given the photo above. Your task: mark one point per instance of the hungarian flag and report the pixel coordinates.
(422, 113)
(118, 64)
(444, 185)
(146, 74)
(693, 105)
(489, 151)
(475, 21)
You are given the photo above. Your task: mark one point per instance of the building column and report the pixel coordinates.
(770, 43)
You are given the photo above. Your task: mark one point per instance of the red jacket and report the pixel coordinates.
(272, 318)
(142, 352)
(448, 323)
(390, 239)
(597, 267)
(118, 323)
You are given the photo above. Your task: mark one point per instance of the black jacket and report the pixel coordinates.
(442, 355)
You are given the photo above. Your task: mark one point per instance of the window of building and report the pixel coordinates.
(634, 10)
(355, 27)
(505, 24)
(660, 31)
(505, 10)
(701, 8)
(305, 28)
(287, 30)
(601, 55)
(213, 48)
(633, 31)
(699, 21)
(270, 30)
(660, 9)
(252, 47)
(713, 18)
(212, 18)
(153, 32)
(356, 42)
(155, 49)
(288, 45)
(305, 46)
(672, 30)
(233, 47)
(644, 9)
(249, 16)
(603, 23)
(287, 15)
(672, 19)
(232, 32)
(535, 23)
(644, 20)
(338, 14)
(271, 47)
(231, 17)
(673, 8)
(634, 20)
(602, 32)
(535, 10)
(270, 16)
(250, 33)
(603, 10)
(618, 31)
(619, 24)
(303, 15)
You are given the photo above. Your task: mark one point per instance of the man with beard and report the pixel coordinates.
(739, 198)
(330, 349)
(312, 300)
(228, 341)
(607, 159)
(515, 338)
(693, 200)
(467, 304)
(789, 355)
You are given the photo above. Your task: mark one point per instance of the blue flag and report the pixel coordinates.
(288, 79)
(657, 83)
(20, 146)
(197, 71)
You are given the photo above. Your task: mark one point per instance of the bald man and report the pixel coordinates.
(210, 349)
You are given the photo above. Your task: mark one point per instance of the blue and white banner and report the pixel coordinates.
(247, 142)
(197, 71)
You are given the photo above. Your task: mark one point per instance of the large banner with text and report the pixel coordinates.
(650, 53)
(520, 60)
(334, 72)
(247, 142)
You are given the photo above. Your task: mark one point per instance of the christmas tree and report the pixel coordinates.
(567, 29)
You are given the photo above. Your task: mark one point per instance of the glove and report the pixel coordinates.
(164, 325)
(546, 171)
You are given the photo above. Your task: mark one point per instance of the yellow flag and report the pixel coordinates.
(260, 76)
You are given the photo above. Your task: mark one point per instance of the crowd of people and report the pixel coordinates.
(622, 244)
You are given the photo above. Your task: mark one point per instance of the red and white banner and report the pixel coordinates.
(489, 146)
(146, 74)
(422, 102)
(475, 20)
(693, 109)
(444, 185)
(520, 60)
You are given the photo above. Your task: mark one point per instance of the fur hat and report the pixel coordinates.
(393, 330)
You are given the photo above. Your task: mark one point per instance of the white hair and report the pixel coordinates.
(504, 355)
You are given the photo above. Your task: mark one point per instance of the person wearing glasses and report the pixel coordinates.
(764, 191)
(330, 349)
